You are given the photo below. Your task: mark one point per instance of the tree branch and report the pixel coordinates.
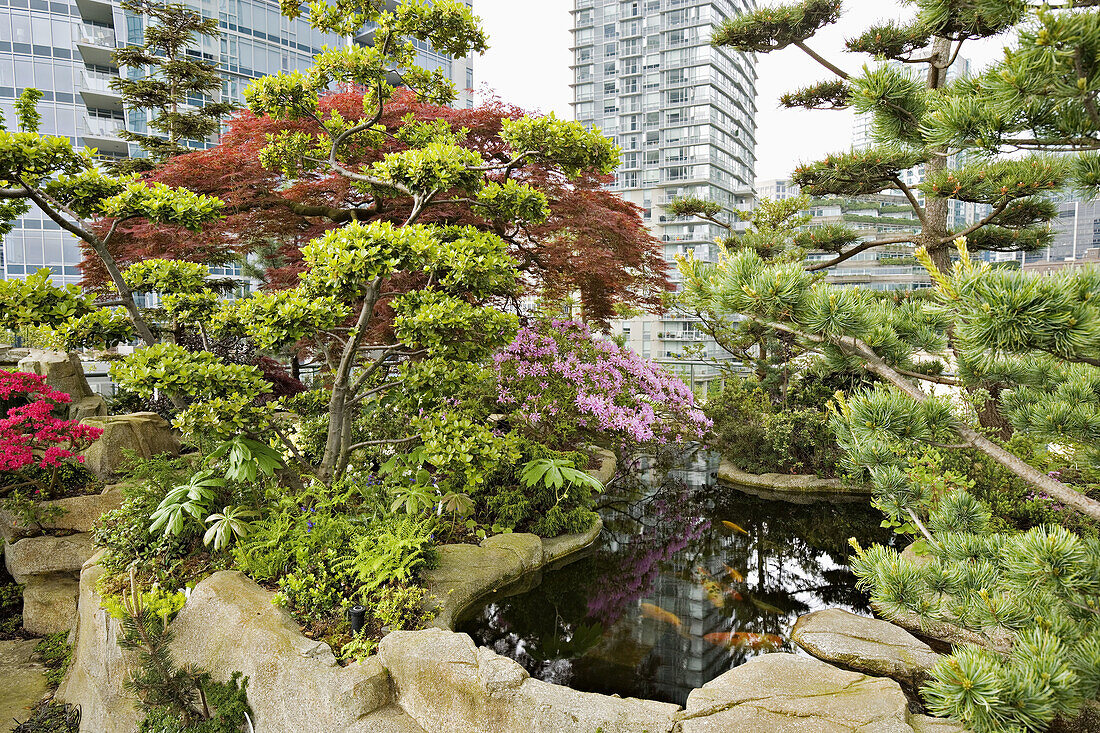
(976, 226)
(917, 208)
(873, 363)
(385, 441)
(856, 250)
(821, 60)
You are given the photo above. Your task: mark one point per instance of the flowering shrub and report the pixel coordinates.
(30, 435)
(565, 386)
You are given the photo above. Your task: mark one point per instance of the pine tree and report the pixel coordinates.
(1041, 97)
(176, 698)
(178, 84)
(1031, 603)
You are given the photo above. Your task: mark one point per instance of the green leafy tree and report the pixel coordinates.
(169, 81)
(46, 171)
(401, 315)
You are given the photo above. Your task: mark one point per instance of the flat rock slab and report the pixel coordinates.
(49, 603)
(47, 555)
(22, 682)
(784, 693)
(865, 645)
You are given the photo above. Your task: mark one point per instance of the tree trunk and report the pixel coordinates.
(989, 413)
(934, 227)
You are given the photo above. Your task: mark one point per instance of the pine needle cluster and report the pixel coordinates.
(176, 698)
(1032, 601)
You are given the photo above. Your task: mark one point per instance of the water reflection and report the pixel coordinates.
(689, 579)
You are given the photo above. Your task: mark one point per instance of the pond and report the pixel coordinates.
(689, 579)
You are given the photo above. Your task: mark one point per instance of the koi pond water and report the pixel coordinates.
(689, 579)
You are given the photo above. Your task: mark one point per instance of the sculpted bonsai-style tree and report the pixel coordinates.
(1041, 97)
(1039, 335)
(400, 310)
(46, 171)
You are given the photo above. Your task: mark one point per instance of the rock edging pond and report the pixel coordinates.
(798, 488)
(439, 681)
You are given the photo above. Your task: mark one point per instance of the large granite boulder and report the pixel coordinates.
(62, 371)
(49, 603)
(865, 645)
(784, 693)
(46, 555)
(449, 685)
(146, 434)
(22, 681)
(78, 514)
(230, 624)
(95, 678)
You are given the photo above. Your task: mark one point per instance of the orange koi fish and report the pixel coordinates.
(734, 527)
(744, 639)
(736, 576)
(657, 613)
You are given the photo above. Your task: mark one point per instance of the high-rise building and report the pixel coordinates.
(1076, 238)
(683, 113)
(64, 48)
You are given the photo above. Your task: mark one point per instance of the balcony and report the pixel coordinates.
(102, 134)
(95, 88)
(96, 44)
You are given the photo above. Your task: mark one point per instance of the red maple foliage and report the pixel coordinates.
(594, 242)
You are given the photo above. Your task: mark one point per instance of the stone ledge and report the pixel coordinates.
(798, 488)
(863, 644)
(46, 555)
(79, 514)
(466, 573)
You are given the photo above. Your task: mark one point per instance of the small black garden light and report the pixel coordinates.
(356, 616)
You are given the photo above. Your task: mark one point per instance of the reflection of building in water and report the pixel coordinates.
(585, 625)
(682, 662)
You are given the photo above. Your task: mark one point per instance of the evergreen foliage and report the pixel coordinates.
(176, 698)
(178, 85)
(1032, 337)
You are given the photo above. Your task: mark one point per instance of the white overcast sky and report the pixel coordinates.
(528, 64)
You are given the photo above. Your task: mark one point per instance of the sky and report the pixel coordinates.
(529, 57)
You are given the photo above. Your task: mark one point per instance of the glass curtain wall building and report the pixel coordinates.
(65, 50)
(683, 113)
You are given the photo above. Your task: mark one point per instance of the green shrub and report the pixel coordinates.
(760, 437)
(1014, 504)
(331, 555)
(505, 502)
(11, 606)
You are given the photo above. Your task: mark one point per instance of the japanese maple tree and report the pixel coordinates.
(592, 241)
